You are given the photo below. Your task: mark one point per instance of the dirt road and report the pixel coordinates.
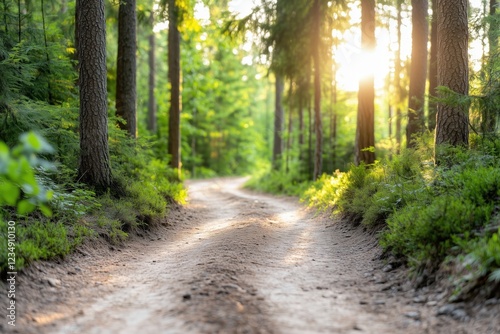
(232, 262)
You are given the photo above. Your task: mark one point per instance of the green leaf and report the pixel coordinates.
(47, 212)
(34, 143)
(31, 140)
(495, 276)
(25, 207)
(10, 193)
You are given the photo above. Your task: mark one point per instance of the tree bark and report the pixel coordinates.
(333, 118)
(94, 166)
(278, 122)
(47, 56)
(152, 77)
(489, 114)
(452, 126)
(290, 127)
(365, 130)
(174, 74)
(493, 28)
(397, 75)
(418, 70)
(318, 126)
(126, 68)
(433, 81)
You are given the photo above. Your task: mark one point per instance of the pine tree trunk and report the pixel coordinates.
(452, 126)
(126, 68)
(318, 126)
(152, 77)
(302, 159)
(489, 114)
(47, 56)
(433, 68)
(397, 76)
(418, 70)
(365, 130)
(174, 74)
(290, 126)
(94, 166)
(278, 122)
(333, 119)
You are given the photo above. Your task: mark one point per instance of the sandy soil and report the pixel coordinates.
(233, 261)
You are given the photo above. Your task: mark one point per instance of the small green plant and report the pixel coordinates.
(35, 241)
(18, 185)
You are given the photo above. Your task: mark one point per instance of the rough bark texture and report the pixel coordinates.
(94, 167)
(452, 121)
(318, 126)
(433, 81)
(174, 77)
(278, 122)
(365, 130)
(126, 68)
(152, 77)
(418, 70)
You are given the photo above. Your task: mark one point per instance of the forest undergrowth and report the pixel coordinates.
(430, 217)
(52, 212)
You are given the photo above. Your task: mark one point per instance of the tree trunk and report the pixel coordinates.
(418, 70)
(5, 13)
(310, 164)
(489, 114)
(19, 22)
(333, 118)
(365, 130)
(47, 56)
(94, 166)
(152, 77)
(302, 158)
(278, 123)
(452, 126)
(318, 126)
(290, 126)
(433, 84)
(397, 76)
(126, 96)
(174, 76)
(493, 29)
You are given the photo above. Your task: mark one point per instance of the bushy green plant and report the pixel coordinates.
(430, 212)
(18, 184)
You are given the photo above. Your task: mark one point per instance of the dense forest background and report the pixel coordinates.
(390, 107)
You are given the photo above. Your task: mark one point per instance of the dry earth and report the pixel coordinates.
(234, 261)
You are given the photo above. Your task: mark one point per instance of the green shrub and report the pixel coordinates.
(430, 212)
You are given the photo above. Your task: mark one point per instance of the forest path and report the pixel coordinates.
(233, 262)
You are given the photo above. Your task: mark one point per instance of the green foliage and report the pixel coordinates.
(430, 212)
(483, 256)
(277, 182)
(35, 241)
(18, 185)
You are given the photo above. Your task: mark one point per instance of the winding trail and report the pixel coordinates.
(232, 261)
